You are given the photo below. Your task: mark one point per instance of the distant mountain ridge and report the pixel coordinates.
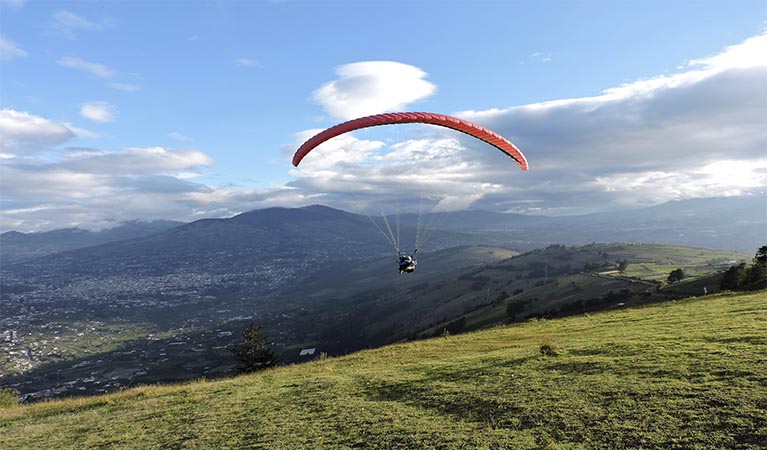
(725, 223)
(16, 246)
(729, 223)
(291, 240)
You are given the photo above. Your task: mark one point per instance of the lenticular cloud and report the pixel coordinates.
(373, 87)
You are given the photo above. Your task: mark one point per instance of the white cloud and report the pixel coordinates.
(67, 24)
(696, 133)
(10, 50)
(179, 137)
(82, 132)
(125, 87)
(100, 70)
(21, 132)
(540, 57)
(99, 111)
(661, 132)
(723, 178)
(248, 62)
(137, 160)
(13, 4)
(355, 173)
(82, 186)
(751, 53)
(345, 149)
(372, 87)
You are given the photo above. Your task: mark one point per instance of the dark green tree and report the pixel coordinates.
(254, 354)
(676, 275)
(514, 308)
(623, 265)
(761, 256)
(756, 275)
(734, 277)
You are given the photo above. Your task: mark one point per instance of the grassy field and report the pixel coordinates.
(685, 374)
(656, 261)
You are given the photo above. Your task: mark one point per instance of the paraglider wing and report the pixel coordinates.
(464, 126)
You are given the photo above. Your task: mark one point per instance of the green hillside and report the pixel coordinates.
(562, 280)
(681, 374)
(555, 281)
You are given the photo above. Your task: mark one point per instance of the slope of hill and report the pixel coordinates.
(339, 282)
(685, 374)
(557, 280)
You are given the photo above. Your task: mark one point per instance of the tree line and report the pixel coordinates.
(743, 277)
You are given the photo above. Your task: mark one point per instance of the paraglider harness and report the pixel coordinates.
(406, 262)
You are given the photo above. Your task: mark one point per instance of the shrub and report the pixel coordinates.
(676, 275)
(8, 397)
(549, 349)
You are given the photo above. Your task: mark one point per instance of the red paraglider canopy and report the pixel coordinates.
(464, 126)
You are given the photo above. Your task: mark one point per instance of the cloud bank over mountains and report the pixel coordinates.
(696, 133)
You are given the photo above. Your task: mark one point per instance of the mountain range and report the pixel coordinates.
(16, 246)
(728, 223)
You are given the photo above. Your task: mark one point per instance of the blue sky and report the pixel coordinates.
(180, 110)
